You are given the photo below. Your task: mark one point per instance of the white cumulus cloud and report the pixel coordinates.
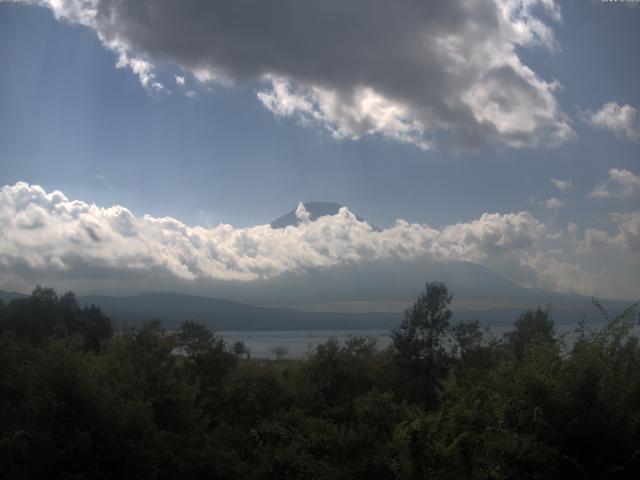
(47, 235)
(626, 238)
(623, 120)
(555, 203)
(552, 203)
(621, 183)
(562, 185)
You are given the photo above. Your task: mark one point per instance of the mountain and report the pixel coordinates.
(315, 210)
(224, 315)
(391, 285)
(6, 297)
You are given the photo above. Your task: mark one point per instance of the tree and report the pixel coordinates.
(207, 363)
(337, 373)
(240, 349)
(467, 336)
(194, 338)
(420, 342)
(279, 352)
(533, 326)
(422, 333)
(44, 314)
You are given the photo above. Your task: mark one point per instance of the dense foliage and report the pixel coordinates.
(445, 402)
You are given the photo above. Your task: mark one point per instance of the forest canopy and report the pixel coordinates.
(80, 399)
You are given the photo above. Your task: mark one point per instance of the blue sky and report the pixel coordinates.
(71, 121)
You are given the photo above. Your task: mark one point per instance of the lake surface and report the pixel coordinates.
(299, 343)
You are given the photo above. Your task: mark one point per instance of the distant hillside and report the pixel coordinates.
(8, 296)
(348, 297)
(174, 308)
(478, 292)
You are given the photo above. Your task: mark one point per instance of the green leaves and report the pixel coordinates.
(442, 402)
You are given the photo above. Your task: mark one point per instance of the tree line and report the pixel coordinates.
(79, 399)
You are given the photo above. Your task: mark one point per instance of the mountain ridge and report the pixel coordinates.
(225, 315)
(315, 211)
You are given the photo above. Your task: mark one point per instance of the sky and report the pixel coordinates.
(156, 139)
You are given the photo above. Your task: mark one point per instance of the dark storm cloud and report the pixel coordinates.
(413, 71)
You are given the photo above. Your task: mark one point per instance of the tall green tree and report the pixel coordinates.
(44, 314)
(420, 341)
(532, 327)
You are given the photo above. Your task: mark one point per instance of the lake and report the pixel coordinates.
(298, 343)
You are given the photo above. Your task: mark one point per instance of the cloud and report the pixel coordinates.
(621, 183)
(414, 72)
(554, 203)
(562, 185)
(63, 230)
(626, 239)
(491, 234)
(628, 230)
(179, 80)
(364, 113)
(562, 276)
(48, 235)
(623, 121)
(141, 67)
